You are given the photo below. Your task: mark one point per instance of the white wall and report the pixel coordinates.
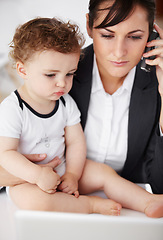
(15, 12)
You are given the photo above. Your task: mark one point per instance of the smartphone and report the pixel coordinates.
(144, 66)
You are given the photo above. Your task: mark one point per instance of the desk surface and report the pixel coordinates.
(8, 210)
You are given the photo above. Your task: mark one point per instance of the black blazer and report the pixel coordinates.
(144, 162)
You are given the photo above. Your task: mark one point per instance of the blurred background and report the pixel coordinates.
(15, 12)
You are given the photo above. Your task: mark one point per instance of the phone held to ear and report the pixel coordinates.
(144, 66)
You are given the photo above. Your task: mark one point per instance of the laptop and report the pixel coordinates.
(37, 225)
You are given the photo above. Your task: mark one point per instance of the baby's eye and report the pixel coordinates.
(50, 75)
(70, 74)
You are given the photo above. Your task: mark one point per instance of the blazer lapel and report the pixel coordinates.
(142, 112)
(82, 83)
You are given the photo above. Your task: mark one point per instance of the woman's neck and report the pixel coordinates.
(110, 83)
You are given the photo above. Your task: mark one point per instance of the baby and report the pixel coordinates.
(40, 117)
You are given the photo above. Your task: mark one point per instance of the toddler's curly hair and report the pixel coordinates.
(42, 34)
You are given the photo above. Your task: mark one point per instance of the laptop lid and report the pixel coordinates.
(54, 225)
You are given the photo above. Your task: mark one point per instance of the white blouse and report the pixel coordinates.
(106, 128)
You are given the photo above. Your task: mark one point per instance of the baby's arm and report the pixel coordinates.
(75, 159)
(7, 179)
(19, 166)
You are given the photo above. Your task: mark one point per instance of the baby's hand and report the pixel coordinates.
(48, 180)
(69, 184)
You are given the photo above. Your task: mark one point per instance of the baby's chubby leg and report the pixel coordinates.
(30, 197)
(97, 176)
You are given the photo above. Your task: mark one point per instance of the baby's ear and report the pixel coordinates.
(21, 69)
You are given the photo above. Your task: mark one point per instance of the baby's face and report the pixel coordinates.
(49, 74)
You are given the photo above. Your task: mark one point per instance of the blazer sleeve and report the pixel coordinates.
(154, 163)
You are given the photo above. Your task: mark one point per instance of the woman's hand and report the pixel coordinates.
(35, 158)
(158, 52)
(158, 62)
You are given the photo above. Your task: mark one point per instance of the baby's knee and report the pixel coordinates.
(29, 197)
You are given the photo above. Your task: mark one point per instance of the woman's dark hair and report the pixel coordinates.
(119, 11)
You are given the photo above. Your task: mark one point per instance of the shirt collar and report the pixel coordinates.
(97, 84)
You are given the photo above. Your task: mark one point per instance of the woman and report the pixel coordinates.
(120, 103)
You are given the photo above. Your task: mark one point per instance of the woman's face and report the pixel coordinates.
(120, 47)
